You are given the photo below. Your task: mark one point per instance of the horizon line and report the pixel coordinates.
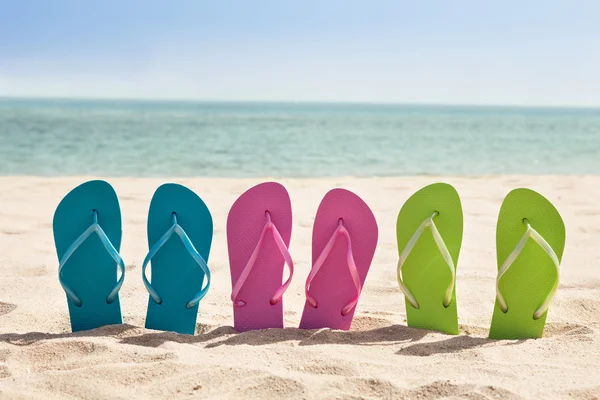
(292, 102)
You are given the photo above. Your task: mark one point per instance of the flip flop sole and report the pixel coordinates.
(530, 278)
(175, 275)
(425, 272)
(245, 223)
(333, 287)
(90, 272)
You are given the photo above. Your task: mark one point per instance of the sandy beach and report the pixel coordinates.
(379, 358)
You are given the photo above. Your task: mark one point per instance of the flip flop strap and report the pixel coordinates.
(530, 232)
(97, 229)
(340, 230)
(269, 226)
(177, 229)
(439, 241)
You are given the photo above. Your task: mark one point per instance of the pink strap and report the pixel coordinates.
(341, 229)
(269, 226)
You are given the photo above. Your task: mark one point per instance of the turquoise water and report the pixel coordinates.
(124, 138)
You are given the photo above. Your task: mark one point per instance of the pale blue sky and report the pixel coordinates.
(530, 52)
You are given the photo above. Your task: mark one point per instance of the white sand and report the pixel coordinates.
(379, 358)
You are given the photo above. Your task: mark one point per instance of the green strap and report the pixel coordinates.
(428, 223)
(530, 232)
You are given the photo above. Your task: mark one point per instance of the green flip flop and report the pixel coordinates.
(528, 270)
(427, 264)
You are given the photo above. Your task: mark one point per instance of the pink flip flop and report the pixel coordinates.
(344, 242)
(259, 227)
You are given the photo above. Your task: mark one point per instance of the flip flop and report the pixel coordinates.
(427, 265)
(88, 263)
(530, 240)
(344, 241)
(180, 231)
(259, 227)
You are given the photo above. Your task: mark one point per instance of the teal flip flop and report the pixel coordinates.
(87, 235)
(429, 233)
(530, 240)
(180, 231)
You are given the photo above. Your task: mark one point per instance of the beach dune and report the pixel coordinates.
(379, 358)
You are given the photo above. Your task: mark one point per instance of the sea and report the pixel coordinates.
(57, 137)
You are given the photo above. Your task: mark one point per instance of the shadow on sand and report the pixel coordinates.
(228, 336)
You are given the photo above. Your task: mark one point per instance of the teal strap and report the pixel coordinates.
(176, 228)
(94, 228)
